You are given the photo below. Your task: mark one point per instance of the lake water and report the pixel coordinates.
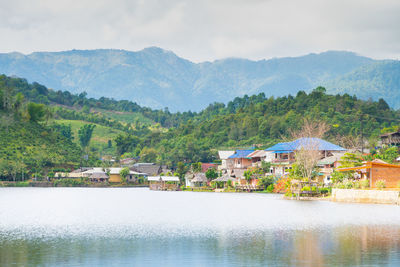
(138, 227)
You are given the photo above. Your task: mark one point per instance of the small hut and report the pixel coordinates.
(99, 177)
(164, 183)
(199, 180)
(224, 179)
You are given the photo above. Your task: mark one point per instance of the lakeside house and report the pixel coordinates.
(391, 139)
(283, 154)
(98, 177)
(150, 169)
(115, 176)
(257, 157)
(238, 163)
(224, 179)
(223, 156)
(377, 170)
(199, 180)
(327, 166)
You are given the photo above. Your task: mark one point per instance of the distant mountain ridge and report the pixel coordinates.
(158, 78)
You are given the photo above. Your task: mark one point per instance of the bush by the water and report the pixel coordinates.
(69, 182)
(380, 184)
(364, 183)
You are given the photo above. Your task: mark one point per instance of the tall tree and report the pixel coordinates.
(85, 134)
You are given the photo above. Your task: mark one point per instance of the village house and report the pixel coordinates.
(115, 176)
(391, 139)
(150, 169)
(163, 183)
(283, 154)
(238, 163)
(377, 170)
(199, 180)
(257, 157)
(223, 156)
(328, 165)
(98, 177)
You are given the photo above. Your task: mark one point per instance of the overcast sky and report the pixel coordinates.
(204, 30)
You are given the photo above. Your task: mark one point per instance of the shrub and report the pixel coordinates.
(306, 188)
(324, 190)
(380, 184)
(339, 185)
(281, 186)
(348, 184)
(357, 185)
(270, 188)
(364, 183)
(314, 189)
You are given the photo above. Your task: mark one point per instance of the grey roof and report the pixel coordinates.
(98, 175)
(150, 169)
(199, 178)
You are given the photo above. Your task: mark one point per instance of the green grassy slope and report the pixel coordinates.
(100, 137)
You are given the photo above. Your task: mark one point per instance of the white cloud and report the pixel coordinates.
(204, 30)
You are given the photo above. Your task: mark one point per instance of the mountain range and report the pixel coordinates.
(158, 78)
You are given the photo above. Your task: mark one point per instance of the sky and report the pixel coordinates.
(204, 30)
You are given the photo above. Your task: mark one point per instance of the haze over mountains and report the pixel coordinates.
(158, 78)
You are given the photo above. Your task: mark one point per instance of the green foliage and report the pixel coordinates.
(389, 154)
(306, 189)
(350, 160)
(364, 183)
(36, 112)
(29, 148)
(148, 155)
(266, 182)
(196, 167)
(85, 134)
(124, 173)
(181, 171)
(265, 166)
(380, 184)
(69, 182)
(211, 174)
(348, 184)
(270, 188)
(357, 185)
(324, 190)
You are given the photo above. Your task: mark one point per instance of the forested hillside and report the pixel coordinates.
(125, 129)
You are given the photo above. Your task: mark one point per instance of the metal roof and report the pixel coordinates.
(224, 154)
(257, 154)
(307, 143)
(239, 154)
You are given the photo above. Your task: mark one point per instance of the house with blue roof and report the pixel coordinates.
(282, 155)
(238, 162)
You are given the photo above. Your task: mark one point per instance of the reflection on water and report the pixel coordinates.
(126, 227)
